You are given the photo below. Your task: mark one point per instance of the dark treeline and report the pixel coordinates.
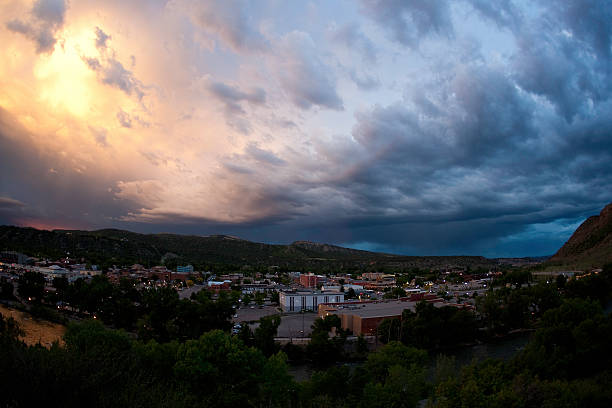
(100, 367)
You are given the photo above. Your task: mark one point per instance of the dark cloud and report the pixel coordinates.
(353, 38)
(587, 20)
(101, 38)
(10, 209)
(231, 96)
(229, 21)
(364, 81)
(263, 156)
(303, 74)
(504, 13)
(124, 119)
(99, 135)
(46, 18)
(58, 189)
(232, 99)
(565, 56)
(458, 167)
(408, 21)
(112, 72)
(10, 203)
(50, 11)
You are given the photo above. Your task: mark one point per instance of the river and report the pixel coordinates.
(504, 349)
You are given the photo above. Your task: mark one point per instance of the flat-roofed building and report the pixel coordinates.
(364, 317)
(296, 301)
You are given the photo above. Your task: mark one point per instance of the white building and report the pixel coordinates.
(307, 300)
(55, 271)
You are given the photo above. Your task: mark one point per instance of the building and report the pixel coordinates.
(185, 269)
(12, 257)
(296, 301)
(377, 276)
(218, 286)
(364, 317)
(252, 288)
(311, 281)
(55, 271)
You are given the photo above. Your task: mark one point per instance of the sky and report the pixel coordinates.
(417, 127)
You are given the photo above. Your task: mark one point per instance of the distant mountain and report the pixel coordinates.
(117, 247)
(591, 243)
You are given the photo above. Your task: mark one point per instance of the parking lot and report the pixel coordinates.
(253, 313)
(293, 324)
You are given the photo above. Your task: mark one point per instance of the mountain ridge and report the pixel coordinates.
(120, 247)
(590, 244)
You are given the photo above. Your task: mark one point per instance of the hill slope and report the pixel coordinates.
(110, 246)
(591, 243)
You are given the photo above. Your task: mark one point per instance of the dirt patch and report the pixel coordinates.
(36, 331)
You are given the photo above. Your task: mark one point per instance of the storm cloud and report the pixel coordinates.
(413, 127)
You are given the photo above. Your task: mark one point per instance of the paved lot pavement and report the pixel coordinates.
(186, 293)
(246, 314)
(292, 324)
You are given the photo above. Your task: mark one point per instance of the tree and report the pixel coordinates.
(362, 346)
(403, 387)
(9, 328)
(321, 349)
(61, 284)
(260, 298)
(246, 299)
(218, 370)
(6, 289)
(328, 386)
(394, 293)
(31, 286)
(159, 306)
(350, 294)
(266, 332)
(278, 388)
(389, 330)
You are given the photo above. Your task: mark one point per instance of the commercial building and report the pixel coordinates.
(296, 301)
(364, 317)
(218, 286)
(185, 269)
(311, 281)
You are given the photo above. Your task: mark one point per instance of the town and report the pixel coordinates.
(373, 296)
(310, 328)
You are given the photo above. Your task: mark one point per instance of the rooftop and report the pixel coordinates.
(377, 309)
